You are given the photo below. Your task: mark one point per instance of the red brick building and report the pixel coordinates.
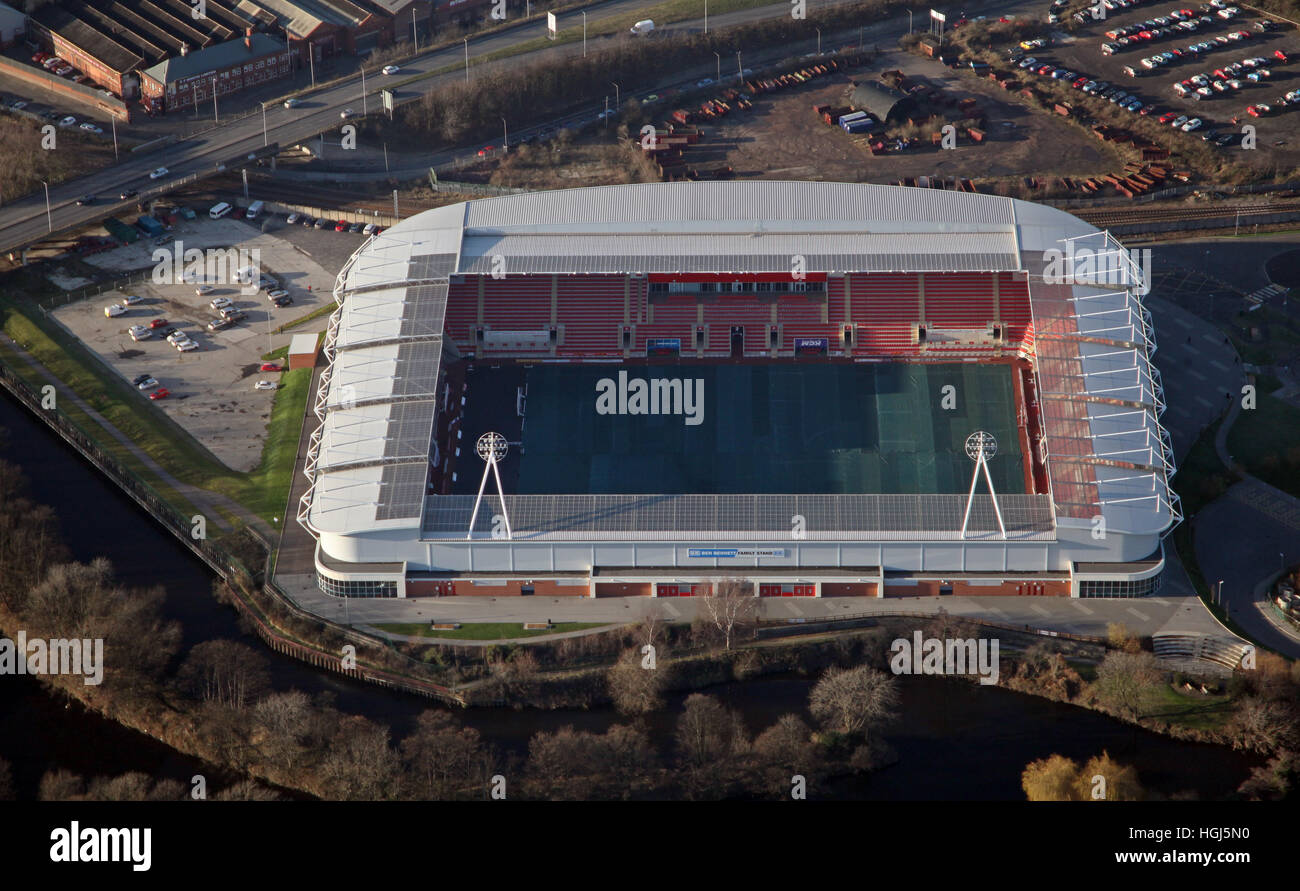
(190, 78)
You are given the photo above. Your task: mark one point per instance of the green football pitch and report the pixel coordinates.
(790, 428)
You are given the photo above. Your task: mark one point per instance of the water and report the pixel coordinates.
(959, 741)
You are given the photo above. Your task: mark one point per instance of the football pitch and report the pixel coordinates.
(763, 429)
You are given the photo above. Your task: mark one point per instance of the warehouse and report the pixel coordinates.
(190, 78)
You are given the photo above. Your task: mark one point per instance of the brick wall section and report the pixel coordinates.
(45, 81)
(848, 589)
(930, 588)
(620, 589)
(512, 588)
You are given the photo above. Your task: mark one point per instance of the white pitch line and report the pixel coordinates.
(1038, 609)
(1081, 608)
(672, 611)
(1141, 615)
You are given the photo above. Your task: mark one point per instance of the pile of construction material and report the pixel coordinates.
(668, 149)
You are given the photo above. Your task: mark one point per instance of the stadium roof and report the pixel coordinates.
(1101, 398)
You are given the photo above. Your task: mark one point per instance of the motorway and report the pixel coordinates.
(25, 222)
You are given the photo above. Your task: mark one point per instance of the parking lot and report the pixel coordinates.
(210, 390)
(1196, 39)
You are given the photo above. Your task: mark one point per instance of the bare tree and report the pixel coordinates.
(730, 608)
(1125, 680)
(359, 765)
(444, 760)
(226, 672)
(1264, 725)
(635, 689)
(711, 740)
(854, 701)
(246, 790)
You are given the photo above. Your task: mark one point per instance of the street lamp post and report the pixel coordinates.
(1218, 595)
(584, 34)
(215, 119)
(819, 41)
(909, 21)
(113, 120)
(740, 69)
(719, 58)
(363, 89)
(49, 219)
(505, 134)
(617, 98)
(466, 59)
(264, 142)
(311, 60)
(706, 16)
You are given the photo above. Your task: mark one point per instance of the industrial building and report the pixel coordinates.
(820, 389)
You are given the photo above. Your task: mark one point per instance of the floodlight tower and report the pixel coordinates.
(980, 446)
(492, 448)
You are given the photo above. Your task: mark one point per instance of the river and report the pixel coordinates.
(956, 741)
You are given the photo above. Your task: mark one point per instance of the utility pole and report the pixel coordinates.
(466, 60)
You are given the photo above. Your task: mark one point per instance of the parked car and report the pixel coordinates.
(1191, 125)
(271, 366)
(186, 346)
(132, 300)
(114, 309)
(369, 229)
(322, 223)
(147, 384)
(91, 128)
(356, 227)
(307, 220)
(233, 315)
(176, 334)
(283, 301)
(158, 323)
(67, 121)
(160, 393)
(63, 70)
(139, 379)
(341, 226)
(203, 290)
(277, 292)
(159, 173)
(293, 218)
(219, 324)
(265, 385)
(220, 302)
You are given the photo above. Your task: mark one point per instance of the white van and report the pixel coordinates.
(254, 210)
(645, 26)
(219, 210)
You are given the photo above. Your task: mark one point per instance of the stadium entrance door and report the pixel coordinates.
(737, 341)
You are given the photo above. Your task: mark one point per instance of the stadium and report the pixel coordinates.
(816, 389)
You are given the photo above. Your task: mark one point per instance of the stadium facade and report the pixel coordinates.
(630, 278)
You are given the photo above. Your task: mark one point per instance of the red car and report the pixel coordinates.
(1078, 82)
(158, 323)
(487, 148)
(40, 58)
(1168, 116)
(1281, 55)
(160, 393)
(271, 366)
(341, 226)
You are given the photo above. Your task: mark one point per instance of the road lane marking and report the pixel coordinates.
(1141, 615)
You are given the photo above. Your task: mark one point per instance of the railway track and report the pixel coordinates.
(1106, 218)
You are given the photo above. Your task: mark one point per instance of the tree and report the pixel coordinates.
(443, 760)
(1118, 782)
(246, 790)
(1274, 780)
(1264, 725)
(226, 672)
(710, 740)
(359, 765)
(61, 785)
(1055, 778)
(1125, 680)
(1121, 637)
(636, 690)
(854, 701)
(729, 608)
